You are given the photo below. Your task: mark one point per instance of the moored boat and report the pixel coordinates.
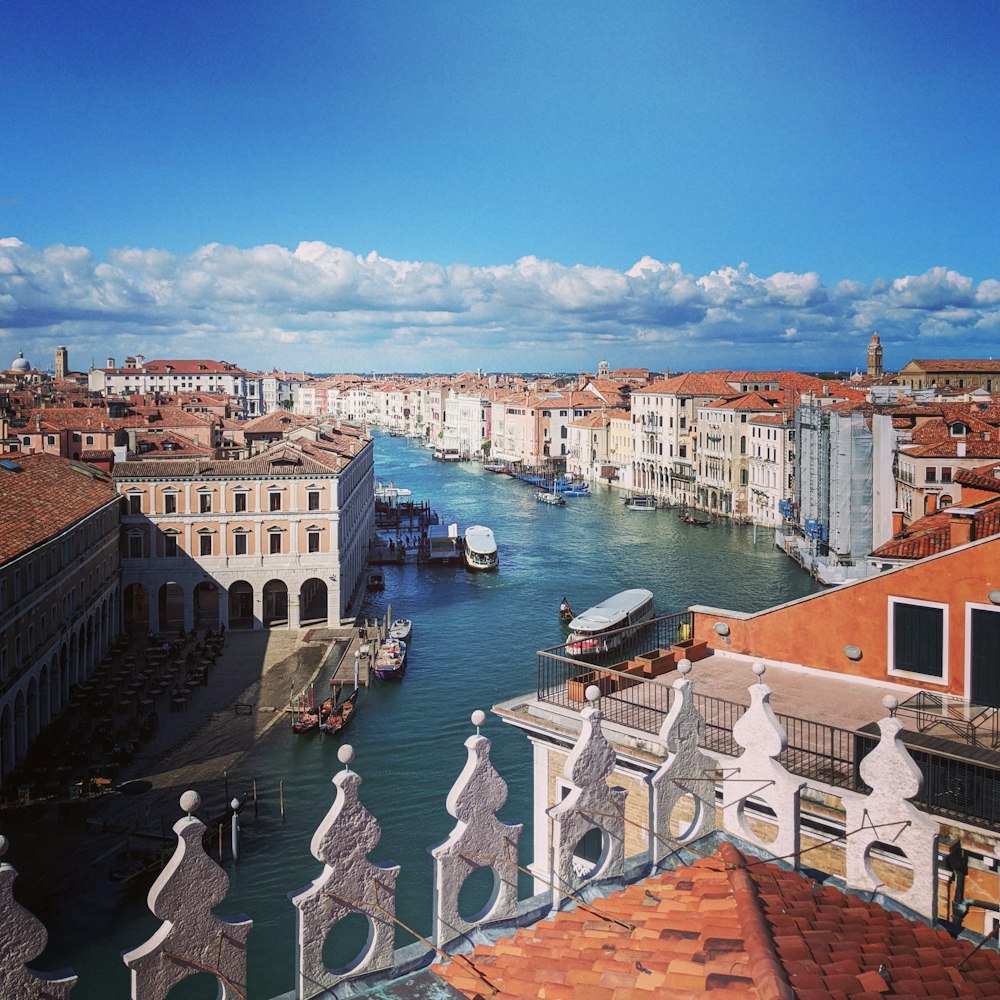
(691, 519)
(338, 717)
(306, 715)
(480, 548)
(641, 502)
(390, 661)
(552, 499)
(578, 490)
(401, 629)
(588, 631)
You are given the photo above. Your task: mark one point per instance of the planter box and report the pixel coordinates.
(657, 662)
(691, 650)
(576, 688)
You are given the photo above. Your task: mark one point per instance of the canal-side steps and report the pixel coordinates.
(193, 939)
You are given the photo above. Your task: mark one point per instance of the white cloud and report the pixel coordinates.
(319, 307)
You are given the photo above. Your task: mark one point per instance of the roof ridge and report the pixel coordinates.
(768, 973)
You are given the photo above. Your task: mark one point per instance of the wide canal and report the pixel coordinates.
(474, 643)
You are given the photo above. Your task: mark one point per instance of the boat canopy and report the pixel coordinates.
(479, 538)
(611, 613)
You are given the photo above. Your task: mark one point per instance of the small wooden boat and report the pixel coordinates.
(390, 661)
(305, 716)
(338, 717)
(401, 629)
(691, 519)
(376, 580)
(579, 490)
(565, 611)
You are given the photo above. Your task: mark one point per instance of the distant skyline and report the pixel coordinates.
(444, 186)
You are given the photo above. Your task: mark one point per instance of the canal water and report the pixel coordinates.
(474, 643)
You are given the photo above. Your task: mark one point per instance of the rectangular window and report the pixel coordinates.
(135, 546)
(312, 539)
(930, 475)
(917, 639)
(205, 503)
(274, 501)
(312, 498)
(135, 504)
(205, 545)
(274, 543)
(169, 503)
(170, 545)
(946, 475)
(239, 545)
(239, 502)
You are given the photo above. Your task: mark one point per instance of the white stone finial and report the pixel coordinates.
(478, 718)
(191, 938)
(23, 938)
(685, 774)
(479, 840)
(758, 668)
(190, 802)
(890, 703)
(349, 883)
(345, 754)
(591, 803)
(593, 692)
(887, 816)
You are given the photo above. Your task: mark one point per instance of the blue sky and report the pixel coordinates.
(433, 186)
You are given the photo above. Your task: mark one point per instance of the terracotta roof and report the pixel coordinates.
(932, 534)
(179, 367)
(986, 477)
(955, 365)
(732, 927)
(274, 423)
(44, 496)
(90, 418)
(690, 384)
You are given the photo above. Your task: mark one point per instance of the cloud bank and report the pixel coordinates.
(322, 308)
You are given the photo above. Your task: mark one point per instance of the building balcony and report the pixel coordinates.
(830, 719)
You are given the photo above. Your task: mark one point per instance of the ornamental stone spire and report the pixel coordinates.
(23, 938)
(589, 804)
(479, 840)
(191, 939)
(349, 883)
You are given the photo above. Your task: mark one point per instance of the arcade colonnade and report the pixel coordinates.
(42, 693)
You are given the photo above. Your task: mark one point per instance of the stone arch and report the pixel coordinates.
(312, 601)
(136, 609)
(20, 726)
(44, 702)
(74, 661)
(275, 603)
(6, 742)
(31, 726)
(206, 606)
(171, 607)
(241, 605)
(54, 688)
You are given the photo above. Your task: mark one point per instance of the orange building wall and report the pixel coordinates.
(814, 631)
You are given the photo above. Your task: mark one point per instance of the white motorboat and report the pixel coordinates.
(598, 628)
(641, 503)
(480, 548)
(401, 629)
(552, 499)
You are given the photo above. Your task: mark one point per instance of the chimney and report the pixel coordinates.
(897, 523)
(961, 526)
(932, 503)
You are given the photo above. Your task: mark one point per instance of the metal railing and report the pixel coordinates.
(954, 785)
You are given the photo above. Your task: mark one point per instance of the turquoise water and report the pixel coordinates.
(474, 643)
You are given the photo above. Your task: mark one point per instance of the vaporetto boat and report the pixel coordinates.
(587, 632)
(480, 548)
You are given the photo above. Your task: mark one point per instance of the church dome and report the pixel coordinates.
(21, 364)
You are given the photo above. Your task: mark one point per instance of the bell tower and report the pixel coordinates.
(875, 357)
